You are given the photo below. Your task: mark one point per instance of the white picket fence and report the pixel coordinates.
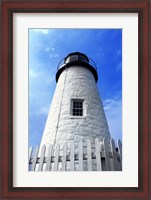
(102, 156)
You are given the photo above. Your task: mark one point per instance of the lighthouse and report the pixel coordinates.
(76, 135)
(76, 112)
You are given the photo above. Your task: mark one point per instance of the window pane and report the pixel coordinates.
(74, 57)
(77, 107)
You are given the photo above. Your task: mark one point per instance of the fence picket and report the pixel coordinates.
(119, 144)
(64, 157)
(89, 157)
(114, 154)
(35, 159)
(41, 161)
(107, 156)
(56, 161)
(48, 158)
(98, 156)
(80, 156)
(72, 156)
(29, 153)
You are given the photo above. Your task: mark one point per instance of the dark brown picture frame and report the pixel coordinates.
(8, 8)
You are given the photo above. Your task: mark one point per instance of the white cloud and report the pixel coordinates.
(47, 49)
(113, 111)
(117, 54)
(43, 31)
(34, 138)
(119, 66)
(33, 74)
(53, 56)
(47, 78)
(43, 110)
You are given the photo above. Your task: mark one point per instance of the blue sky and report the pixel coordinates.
(48, 46)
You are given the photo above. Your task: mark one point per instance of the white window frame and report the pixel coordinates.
(83, 110)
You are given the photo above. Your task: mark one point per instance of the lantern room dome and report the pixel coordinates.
(78, 59)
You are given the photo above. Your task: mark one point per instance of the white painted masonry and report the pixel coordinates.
(75, 82)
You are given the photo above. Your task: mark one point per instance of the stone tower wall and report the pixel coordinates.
(75, 82)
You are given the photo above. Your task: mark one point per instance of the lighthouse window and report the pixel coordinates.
(77, 107)
(73, 58)
(82, 58)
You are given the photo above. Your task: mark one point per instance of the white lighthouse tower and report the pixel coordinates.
(76, 111)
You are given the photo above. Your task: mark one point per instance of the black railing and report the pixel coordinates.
(90, 62)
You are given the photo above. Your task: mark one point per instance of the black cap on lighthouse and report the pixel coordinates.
(77, 58)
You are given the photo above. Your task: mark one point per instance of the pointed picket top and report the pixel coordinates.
(56, 161)
(72, 156)
(29, 153)
(80, 155)
(35, 158)
(64, 157)
(98, 154)
(107, 154)
(114, 154)
(119, 144)
(41, 161)
(48, 158)
(89, 155)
